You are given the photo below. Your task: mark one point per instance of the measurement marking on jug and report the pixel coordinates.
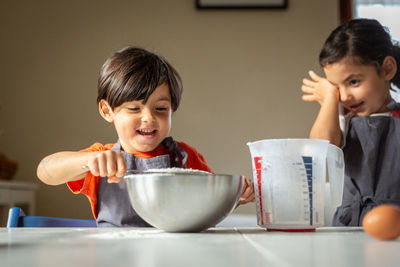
(309, 171)
(258, 167)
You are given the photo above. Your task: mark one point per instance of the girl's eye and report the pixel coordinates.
(354, 82)
(134, 109)
(161, 109)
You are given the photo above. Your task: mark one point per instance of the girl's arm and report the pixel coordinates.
(62, 167)
(326, 125)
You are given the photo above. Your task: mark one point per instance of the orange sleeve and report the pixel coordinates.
(89, 186)
(195, 160)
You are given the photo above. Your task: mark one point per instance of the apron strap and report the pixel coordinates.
(175, 153)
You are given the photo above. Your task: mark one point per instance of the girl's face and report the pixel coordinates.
(142, 127)
(362, 90)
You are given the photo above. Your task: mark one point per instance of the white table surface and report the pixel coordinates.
(248, 247)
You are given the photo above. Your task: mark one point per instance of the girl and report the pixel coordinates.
(137, 92)
(358, 114)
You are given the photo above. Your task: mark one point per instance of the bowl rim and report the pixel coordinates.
(137, 173)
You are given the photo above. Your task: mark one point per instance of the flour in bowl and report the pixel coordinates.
(178, 170)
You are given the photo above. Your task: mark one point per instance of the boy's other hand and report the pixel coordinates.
(108, 163)
(318, 89)
(247, 193)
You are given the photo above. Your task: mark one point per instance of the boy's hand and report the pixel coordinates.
(318, 89)
(247, 193)
(108, 163)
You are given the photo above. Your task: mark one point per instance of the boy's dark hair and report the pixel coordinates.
(133, 74)
(364, 40)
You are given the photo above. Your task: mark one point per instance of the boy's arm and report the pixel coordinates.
(62, 167)
(326, 125)
(247, 193)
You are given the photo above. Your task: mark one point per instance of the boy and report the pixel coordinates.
(137, 92)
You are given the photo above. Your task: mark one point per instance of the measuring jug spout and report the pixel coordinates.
(335, 180)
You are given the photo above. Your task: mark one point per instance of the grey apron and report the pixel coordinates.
(372, 166)
(113, 204)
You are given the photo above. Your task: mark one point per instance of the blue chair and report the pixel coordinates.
(17, 218)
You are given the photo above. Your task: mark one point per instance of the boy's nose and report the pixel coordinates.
(147, 116)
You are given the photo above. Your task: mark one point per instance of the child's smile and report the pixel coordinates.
(146, 136)
(356, 107)
(146, 132)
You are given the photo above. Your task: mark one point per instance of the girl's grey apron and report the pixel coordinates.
(114, 207)
(372, 166)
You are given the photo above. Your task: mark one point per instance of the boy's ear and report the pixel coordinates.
(105, 111)
(389, 68)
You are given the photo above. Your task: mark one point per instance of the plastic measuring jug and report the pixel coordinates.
(290, 177)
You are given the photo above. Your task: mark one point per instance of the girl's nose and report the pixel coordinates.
(344, 95)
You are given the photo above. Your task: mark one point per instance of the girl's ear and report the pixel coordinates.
(389, 68)
(105, 111)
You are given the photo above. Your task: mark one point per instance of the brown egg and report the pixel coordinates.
(383, 222)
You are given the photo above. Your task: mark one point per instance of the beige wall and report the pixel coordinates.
(242, 73)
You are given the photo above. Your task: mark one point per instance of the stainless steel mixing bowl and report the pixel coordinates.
(183, 202)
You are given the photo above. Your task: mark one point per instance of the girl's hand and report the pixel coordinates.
(107, 163)
(318, 89)
(247, 193)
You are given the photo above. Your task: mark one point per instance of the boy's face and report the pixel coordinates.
(142, 127)
(362, 90)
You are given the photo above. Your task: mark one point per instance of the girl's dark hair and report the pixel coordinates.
(365, 41)
(133, 74)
